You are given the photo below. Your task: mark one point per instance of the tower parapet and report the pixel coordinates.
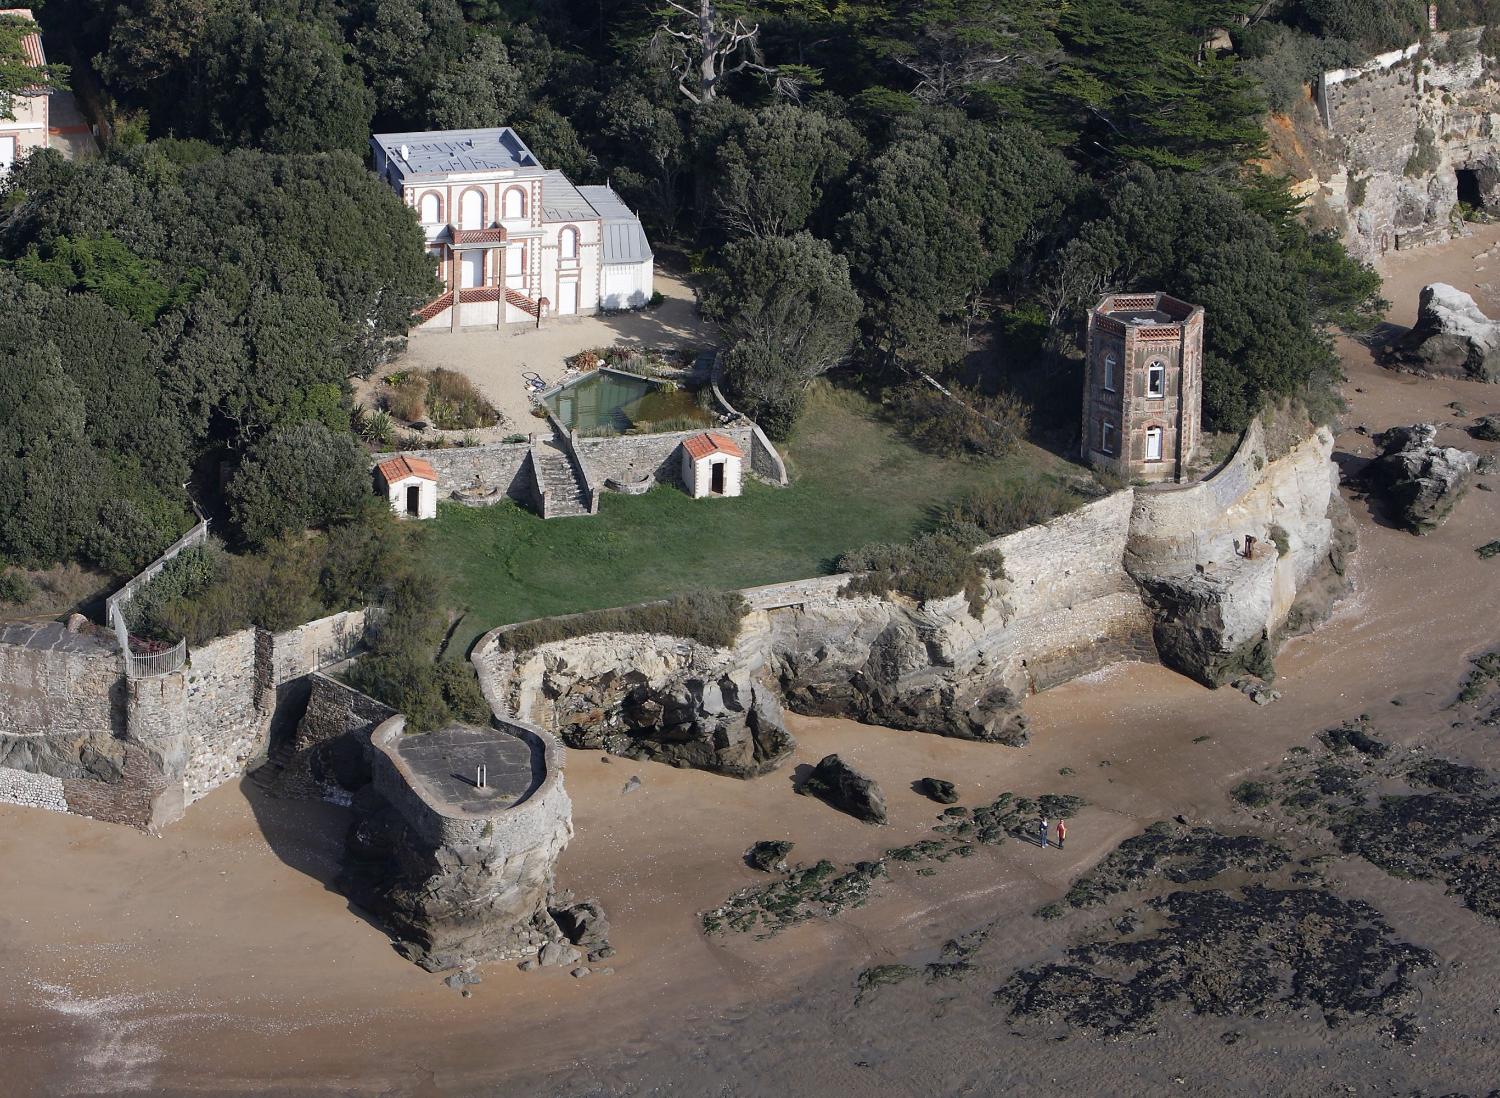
(1143, 386)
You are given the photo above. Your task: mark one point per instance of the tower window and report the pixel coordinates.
(1156, 379)
(1109, 372)
(1107, 437)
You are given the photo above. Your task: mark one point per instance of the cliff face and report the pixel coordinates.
(1140, 575)
(1403, 126)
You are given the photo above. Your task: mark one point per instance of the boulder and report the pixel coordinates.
(583, 923)
(939, 790)
(1452, 337)
(1486, 428)
(1420, 480)
(768, 854)
(846, 789)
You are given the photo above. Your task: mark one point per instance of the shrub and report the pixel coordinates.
(930, 566)
(16, 587)
(373, 426)
(455, 404)
(430, 694)
(1425, 157)
(966, 423)
(1001, 509)
(708, 617)
(295, 478)
(406, 399)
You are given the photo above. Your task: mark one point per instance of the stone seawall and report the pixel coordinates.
(138, 751)
(1141, 575)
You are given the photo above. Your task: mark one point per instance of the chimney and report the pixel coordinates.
(406, 153)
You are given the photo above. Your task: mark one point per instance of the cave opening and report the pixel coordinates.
(1469, 191)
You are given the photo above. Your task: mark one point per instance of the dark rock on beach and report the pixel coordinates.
(1420, 480)
(939, 790)
(846, 789)
(768, 855)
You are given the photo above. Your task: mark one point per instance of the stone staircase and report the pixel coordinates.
(566, 492)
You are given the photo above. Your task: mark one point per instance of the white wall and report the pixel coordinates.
(426, 506)
(626, 285)
(698, 476)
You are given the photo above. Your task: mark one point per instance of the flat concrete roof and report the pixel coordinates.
(54, 636)
(444, 763)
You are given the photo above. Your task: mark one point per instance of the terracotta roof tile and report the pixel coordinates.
(711, 442)
(400, 467)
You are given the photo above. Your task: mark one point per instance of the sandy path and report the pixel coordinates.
(214, 959)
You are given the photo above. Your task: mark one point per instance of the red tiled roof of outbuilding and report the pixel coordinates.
(711, 442)
(401, 467)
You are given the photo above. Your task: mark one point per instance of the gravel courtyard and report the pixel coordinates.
(495, 360)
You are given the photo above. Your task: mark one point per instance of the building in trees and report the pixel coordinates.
(27, 130)
(513, 242)
(1143, 386)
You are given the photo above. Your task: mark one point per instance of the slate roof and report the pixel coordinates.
(400, 467)
(435, 152)
(561, 201)
(624, 239)
(711, 442)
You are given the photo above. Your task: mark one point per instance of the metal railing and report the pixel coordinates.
(156, 663)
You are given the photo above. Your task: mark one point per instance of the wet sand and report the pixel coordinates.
(215, 959)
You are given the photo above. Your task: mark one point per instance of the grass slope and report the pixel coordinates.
(854, 480)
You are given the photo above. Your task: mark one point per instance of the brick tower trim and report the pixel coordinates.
(1143, 386)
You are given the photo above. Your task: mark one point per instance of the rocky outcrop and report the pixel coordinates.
(882, 663)
(846, 788)
(1404, 126)
(1452, 337)
(456, 885)
(1234, 564)
(1420, 480)
(644, 696)
(1486, 428)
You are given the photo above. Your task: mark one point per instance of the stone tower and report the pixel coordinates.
(1143, 386)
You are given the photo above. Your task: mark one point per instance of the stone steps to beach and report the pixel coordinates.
(566, 494)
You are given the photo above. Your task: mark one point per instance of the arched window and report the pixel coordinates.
(1110, 363)
(471, 210)
(1153, 443)
(515, 203)
(431, 207)
(567, 243)
(1156, 379)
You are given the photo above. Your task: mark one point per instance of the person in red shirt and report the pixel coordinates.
(1062, 833)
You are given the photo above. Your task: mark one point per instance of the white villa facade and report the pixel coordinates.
(29, 128)
(513, 242)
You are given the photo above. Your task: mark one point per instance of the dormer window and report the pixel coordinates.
(1110, 365)
(1156, 379)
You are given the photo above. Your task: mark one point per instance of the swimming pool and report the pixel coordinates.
(606, 400)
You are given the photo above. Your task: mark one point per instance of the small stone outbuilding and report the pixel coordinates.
(410, 483)
(712, 465)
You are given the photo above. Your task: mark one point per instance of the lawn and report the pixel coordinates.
(854, 480)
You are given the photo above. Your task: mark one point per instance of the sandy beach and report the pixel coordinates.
(216, 959)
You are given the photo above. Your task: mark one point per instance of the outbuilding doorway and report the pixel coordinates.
(414, 500)
(1469, 191)
(716, 479)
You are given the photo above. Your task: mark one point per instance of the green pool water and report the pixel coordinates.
(605, 401)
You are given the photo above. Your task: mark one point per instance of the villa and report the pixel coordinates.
(28, 129)
(512, 241)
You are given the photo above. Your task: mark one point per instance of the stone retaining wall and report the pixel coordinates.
(630, 457)
(499, 465)
(29, 790)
